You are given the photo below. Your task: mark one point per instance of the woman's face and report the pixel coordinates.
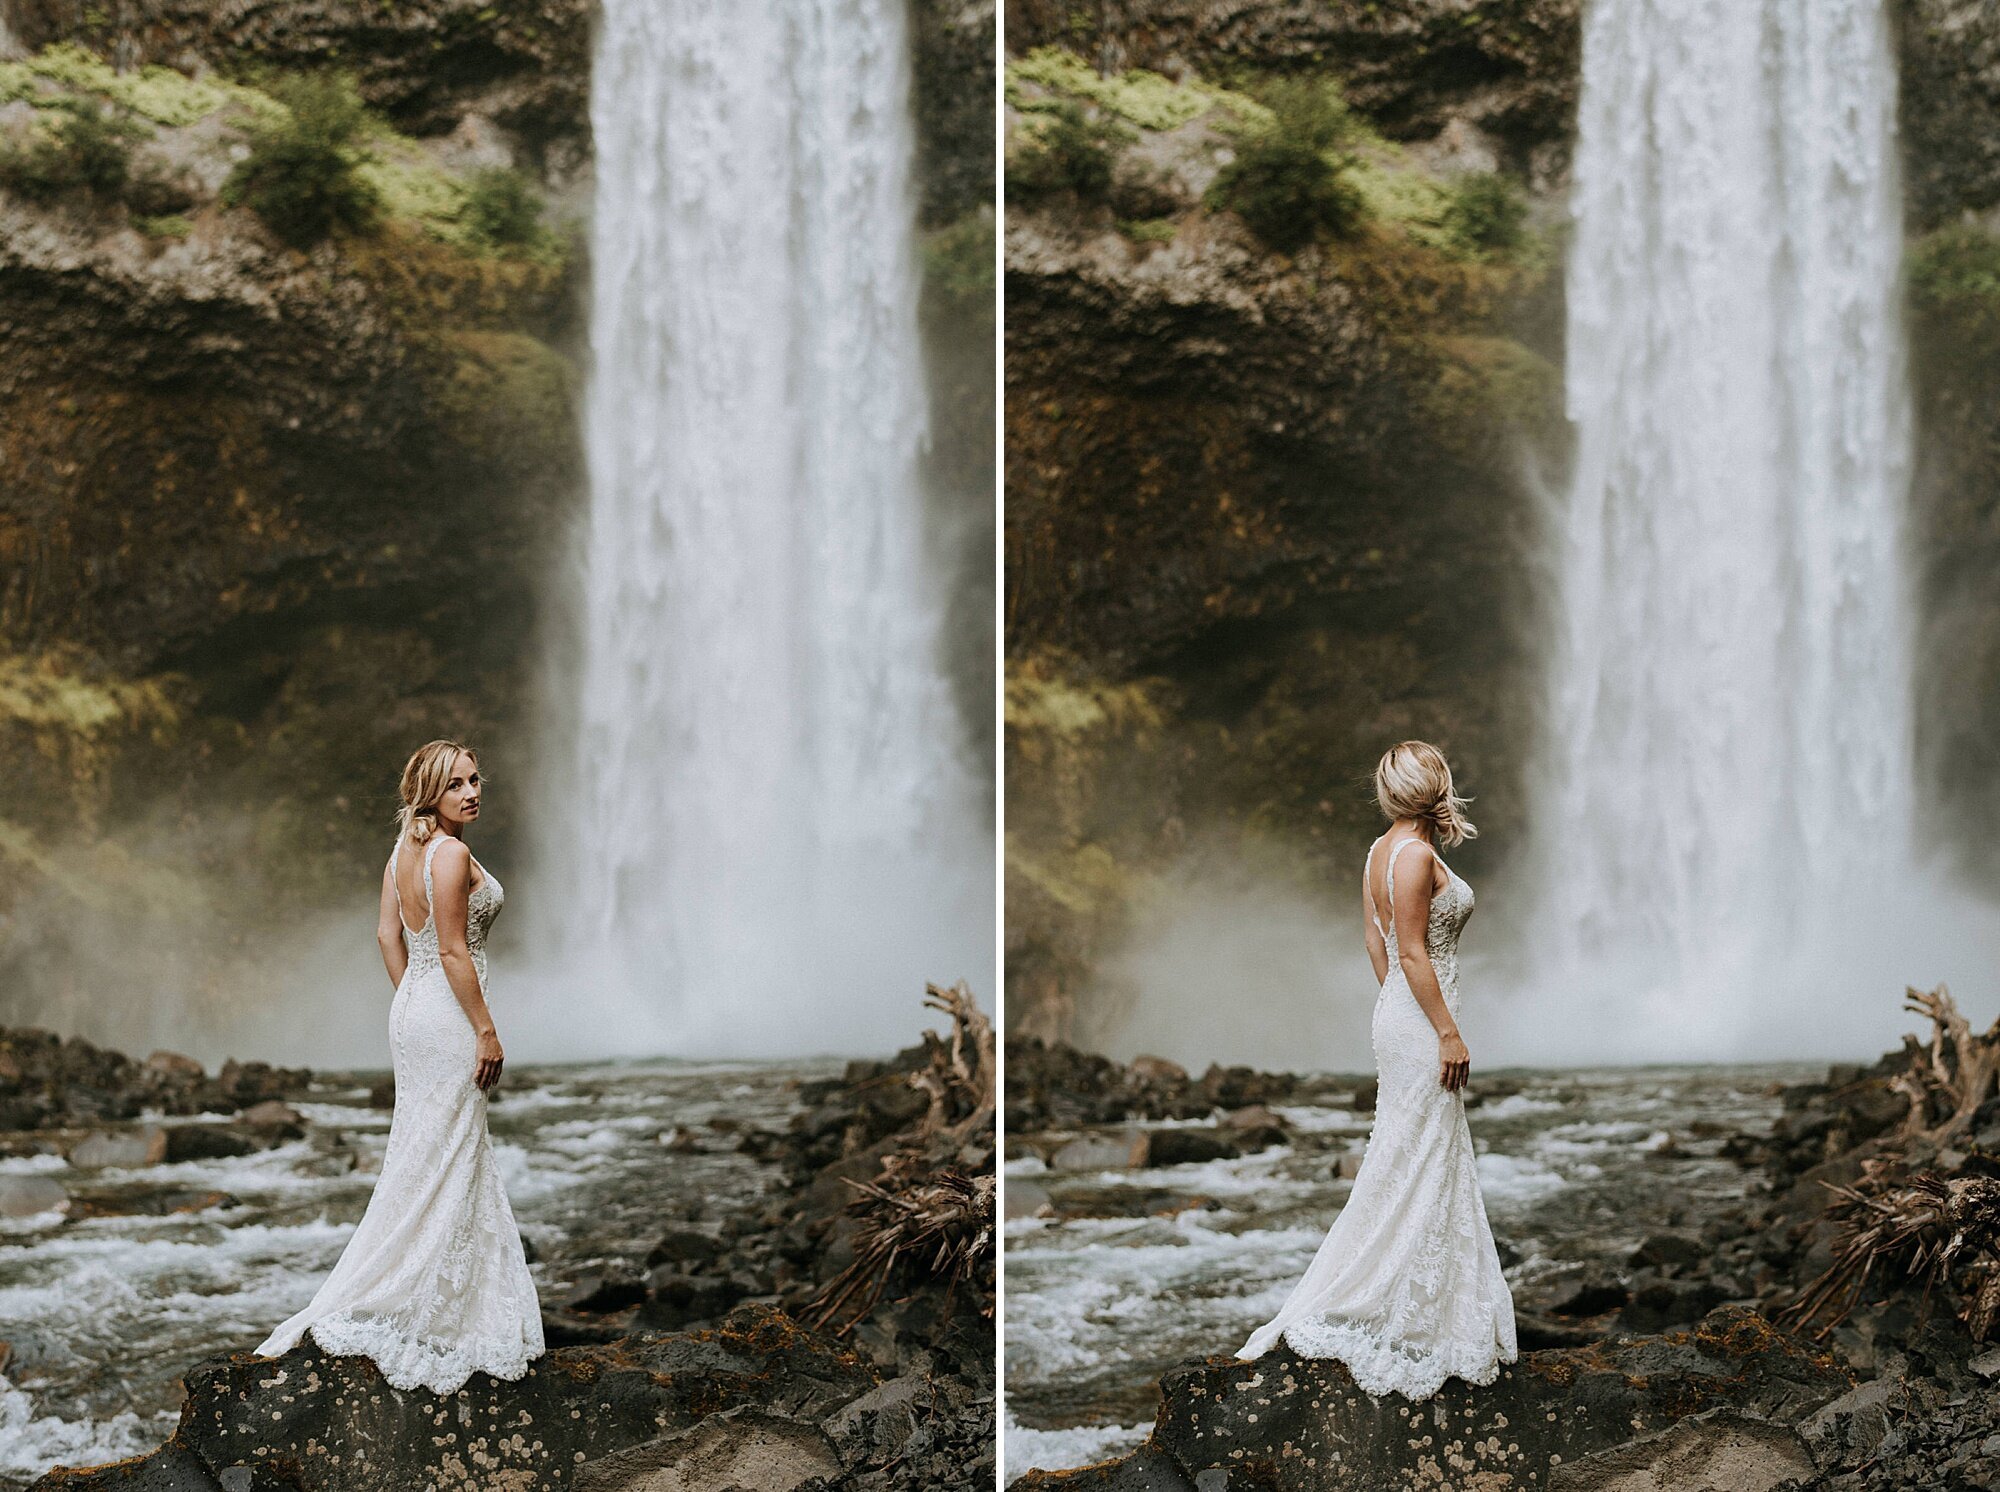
(460, 803)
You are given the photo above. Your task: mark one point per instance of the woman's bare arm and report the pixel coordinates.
(389, 930)
(451, 889)
(1411, 907)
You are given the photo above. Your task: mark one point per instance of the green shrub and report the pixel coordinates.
(1486, 213)
(1148, 230)
(167, 225)
(87, 149)
(301, 174)
(1072, 153)
(502, 211)
(1290, 179)
(958, 258)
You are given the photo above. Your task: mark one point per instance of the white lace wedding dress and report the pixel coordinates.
(1406, 1289)
(434, 1284)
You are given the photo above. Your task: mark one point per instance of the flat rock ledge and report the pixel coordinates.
(1721, 1396)
(758, 1403)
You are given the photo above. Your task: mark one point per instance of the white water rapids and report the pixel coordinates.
(766, 838)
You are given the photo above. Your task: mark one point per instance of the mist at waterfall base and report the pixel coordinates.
(763, 833)
(1730, 855)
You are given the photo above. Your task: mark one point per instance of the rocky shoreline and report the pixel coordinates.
(790, 1340)
(1715, 1354)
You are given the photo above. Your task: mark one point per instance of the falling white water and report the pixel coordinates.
(766, 841)
(1728, 806)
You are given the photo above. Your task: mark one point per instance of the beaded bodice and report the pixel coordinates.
(1450, 908)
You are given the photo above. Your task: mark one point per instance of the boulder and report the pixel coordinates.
(1668, 1250)
(293, 1422)
(273, 1112)
(1287, 1424)
(174, 1064)
(1848, 1428)
(1184, 1147)
(741, 1449)
(615, 1288)
(1721, 1450)
(27, 1196)
(145, 1146)
(685, 1246)
(1100, 1152)
(209, 1142)
(1026, 1199)
(676, 1299)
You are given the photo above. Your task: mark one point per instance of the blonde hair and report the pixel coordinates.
(1413, 780)
(425, 777)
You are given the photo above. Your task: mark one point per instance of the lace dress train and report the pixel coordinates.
(1406, 1288)
(434, 1284)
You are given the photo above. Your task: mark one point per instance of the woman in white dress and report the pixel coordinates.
(1406, 1289)
(434, 1284)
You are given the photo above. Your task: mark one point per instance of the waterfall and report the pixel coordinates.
(1728, 795)
(765, 839)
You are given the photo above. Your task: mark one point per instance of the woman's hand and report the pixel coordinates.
(486, 1068)
(1454, 1062)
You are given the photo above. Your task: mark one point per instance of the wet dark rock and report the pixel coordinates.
(1719, 1448)
(1663, 1303)
(1184, 1147)
(1668, 1250)
(291, 1422)
(675, 1299)
(47, 1082)
(606, 1291)
(153, 1201)
(1055, 1086)
(1292, 1425)
(685, 1246)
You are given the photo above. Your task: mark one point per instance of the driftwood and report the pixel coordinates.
(1942, 1229)
(1947, 1083)
(963, 1074)
(921, 1208)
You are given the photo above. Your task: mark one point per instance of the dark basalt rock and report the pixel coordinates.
(1284, 1424)
(307, 1422)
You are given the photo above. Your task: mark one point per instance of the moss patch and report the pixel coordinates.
(1147, 99)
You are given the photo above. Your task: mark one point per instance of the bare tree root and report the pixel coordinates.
(921, 1209)
(1946, 1084)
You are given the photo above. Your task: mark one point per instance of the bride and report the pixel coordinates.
(1406, 1289)
(434, 1284)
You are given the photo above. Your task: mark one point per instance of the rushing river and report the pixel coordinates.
(1579, 1165)
(105, 1312)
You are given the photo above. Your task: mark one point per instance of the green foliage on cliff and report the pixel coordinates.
(1953, 277)
(302, 176)
(1292, 179)
(87, 148)
(1486, 213)
(958, 259)
(501, 209)
(1073, 152)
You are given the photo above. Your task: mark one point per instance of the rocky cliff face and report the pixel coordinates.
(1265, 510)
